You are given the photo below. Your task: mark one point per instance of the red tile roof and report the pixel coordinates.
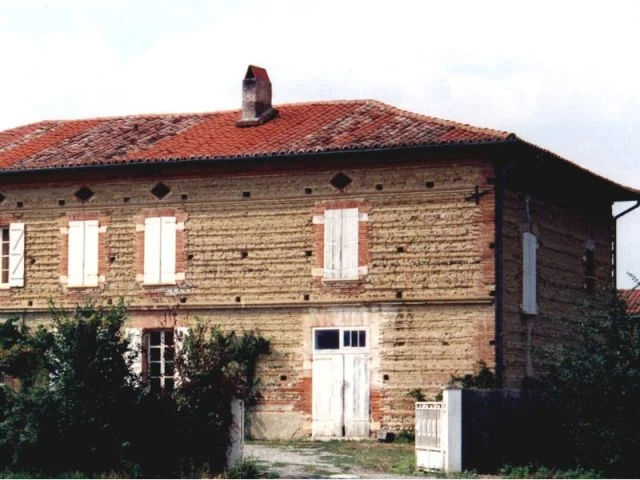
(632, 297)
(299, 128)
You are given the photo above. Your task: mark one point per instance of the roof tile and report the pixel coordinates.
(299, 128)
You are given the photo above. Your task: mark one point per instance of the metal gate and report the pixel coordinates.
(429, 444)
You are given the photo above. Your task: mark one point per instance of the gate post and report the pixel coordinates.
(452, 430)
(235, 451)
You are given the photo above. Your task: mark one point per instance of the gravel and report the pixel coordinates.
(290, 461)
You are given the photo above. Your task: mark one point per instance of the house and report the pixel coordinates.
(380, 251)
(632, 299)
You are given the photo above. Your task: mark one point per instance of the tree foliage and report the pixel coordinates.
(79, 407)
(594, 385)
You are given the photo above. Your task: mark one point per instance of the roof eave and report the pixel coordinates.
(620, 193)
(203, 160)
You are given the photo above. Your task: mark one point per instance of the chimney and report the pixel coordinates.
(256, 98)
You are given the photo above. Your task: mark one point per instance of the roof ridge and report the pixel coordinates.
(187, 114)
(442, 121)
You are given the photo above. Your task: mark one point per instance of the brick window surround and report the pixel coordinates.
(319, 234)
(180, 263)
(103, 247)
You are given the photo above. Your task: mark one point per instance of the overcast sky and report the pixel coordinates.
(563, 75)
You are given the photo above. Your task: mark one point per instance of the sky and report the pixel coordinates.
(563, 75)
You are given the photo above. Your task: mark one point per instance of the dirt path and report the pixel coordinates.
(290, 461)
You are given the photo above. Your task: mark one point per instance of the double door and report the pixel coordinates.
(340, 383)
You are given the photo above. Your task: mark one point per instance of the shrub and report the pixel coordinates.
(594, 386)
(80, 408)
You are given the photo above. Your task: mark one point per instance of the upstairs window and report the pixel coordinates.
(12, 255)
(341, 244)
(83, 254)
(529, 273)
(160, 251)
(590, 267)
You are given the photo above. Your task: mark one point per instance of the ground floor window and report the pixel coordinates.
(160, 360)
(345, 338)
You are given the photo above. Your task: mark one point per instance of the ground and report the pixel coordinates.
(334, 459)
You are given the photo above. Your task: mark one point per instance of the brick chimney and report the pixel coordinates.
(256, 98)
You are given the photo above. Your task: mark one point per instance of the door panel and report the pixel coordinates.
(356, 395)
(327, 382)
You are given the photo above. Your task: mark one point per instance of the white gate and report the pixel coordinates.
(439, 433)
(429, 422)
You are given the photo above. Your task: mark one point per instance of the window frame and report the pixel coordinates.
(14, 257)
(529, 274)
(88, 275)
(341, 244)
(341, 345)
(163, 347)
(161, 251)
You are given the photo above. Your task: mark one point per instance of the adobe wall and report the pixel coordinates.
(427, 243)
(410, 347)
(249, 260)
(563, 298)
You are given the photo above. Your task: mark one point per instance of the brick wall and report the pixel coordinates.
(562, 232)
(249, 248)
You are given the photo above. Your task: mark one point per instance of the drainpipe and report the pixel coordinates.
(614, 250)
(499, 272)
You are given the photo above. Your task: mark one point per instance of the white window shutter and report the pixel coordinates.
(331, 244)
(75, 269)
(168, 250)
(180, 336)
(135, 345)
(349, 244)
(90, 270)
(16, 255)
(529, 274)
(152, 250)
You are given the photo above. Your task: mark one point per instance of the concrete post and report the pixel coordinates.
(236, 432)
(452, 430)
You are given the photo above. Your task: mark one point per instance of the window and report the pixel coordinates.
(12, 255)
(5, 256)
(590, 267)
(160, 250)
(339, 338)
(529, 274)
(157, 350)
(341, 244)
(354, 338)
(160, 360)
(83, 254)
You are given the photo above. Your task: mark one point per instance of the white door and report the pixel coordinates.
(356, 395)
(340, 383)
(327, 396)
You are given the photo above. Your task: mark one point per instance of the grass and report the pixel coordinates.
(249, 468)
(534, 471)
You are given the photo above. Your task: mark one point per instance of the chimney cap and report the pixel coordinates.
(258, 73)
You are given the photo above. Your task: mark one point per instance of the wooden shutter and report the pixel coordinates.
(90, 266)
(349, 244)
(331, 244)
(75, 274)
(179, 338)
(135, 345)
(168, 250)
(529, 274)
(152, 250)
(16, 255)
